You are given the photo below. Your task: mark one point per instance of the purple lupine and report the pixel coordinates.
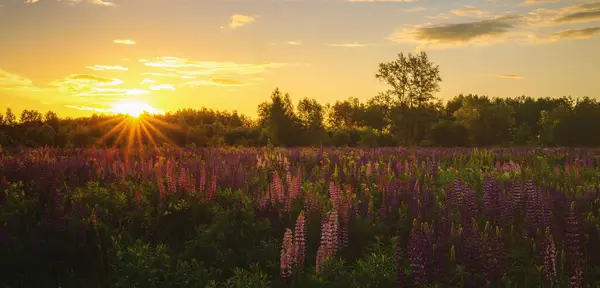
(471, 246)
(532, 208)
(491, 198)
(574, 248)
(549, 253)
(416, 253)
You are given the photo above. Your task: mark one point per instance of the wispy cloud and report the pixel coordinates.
(350, 45)
(88, 108)
(84, 84)
(470, 11)
(215, 82)
(104, 3)
(580, 13)
(107, 68)
(456, 34)
(112, 92)
(292, 43)
(239, 20)
(124, 41)
(11, 81)
(205, 68)
(567, 34)
(507, 76)
(147, 81)
(403, 1)
(415, 9)
(162, 87)
(537, 2)
(73, 2)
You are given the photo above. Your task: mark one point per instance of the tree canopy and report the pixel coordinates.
(408, 113)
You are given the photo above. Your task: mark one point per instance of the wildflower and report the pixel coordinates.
(300, 240)
(287, 257)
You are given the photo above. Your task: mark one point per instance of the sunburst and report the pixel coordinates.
(134, 126)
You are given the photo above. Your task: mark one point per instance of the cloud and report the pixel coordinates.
(350, 45)
(470, 11)
(292, 43)
(507, 76)
(239, 20)
(87, 108)
(455, 34)
(104, 3)
(10, 81)
(162, 87)
(215, 82)
(84, 84)
(176, 65)
(111, 92)
(124, 41)
(580, 13)
(147, 81)
(107, 68)
(537, 2)
(415, 9)
(73, 2)
(568, 34)
(380, 1)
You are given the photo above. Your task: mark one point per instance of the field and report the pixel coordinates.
(386, 217)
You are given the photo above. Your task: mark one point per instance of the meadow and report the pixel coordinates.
(300, 217)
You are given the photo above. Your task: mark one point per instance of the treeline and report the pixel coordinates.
(408, 114)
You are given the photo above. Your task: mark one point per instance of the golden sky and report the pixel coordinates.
(80, 56)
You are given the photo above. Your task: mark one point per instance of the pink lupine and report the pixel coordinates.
(182, 179)
(287, 254)
(191, 183)
(334, 194)
(300, 240)
(171, 181)
(329, 238)
(321, 257)
(213, 187)
(278, 188)
(549, 256)
(137, 197)
(202, 182)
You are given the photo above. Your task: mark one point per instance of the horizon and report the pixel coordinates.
(87, 56)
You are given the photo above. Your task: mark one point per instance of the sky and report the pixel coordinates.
(79, 57)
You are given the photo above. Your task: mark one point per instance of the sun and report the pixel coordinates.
(133, 108)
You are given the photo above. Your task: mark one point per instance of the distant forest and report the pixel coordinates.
(408, 114)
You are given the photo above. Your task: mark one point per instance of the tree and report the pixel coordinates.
(414, 79)
(346, 114)
(311, 114)
(10, 117)
(376, 114)
(31, 117)
(489, 121)
(283, 126)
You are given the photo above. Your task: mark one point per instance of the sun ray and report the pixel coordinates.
(150, 138)
(112, 131)
(122, 133)
(160, 134)
(108, 121)
(164, 124)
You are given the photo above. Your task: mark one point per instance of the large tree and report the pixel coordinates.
(413, 78)
(279, 120)
(311, 114)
